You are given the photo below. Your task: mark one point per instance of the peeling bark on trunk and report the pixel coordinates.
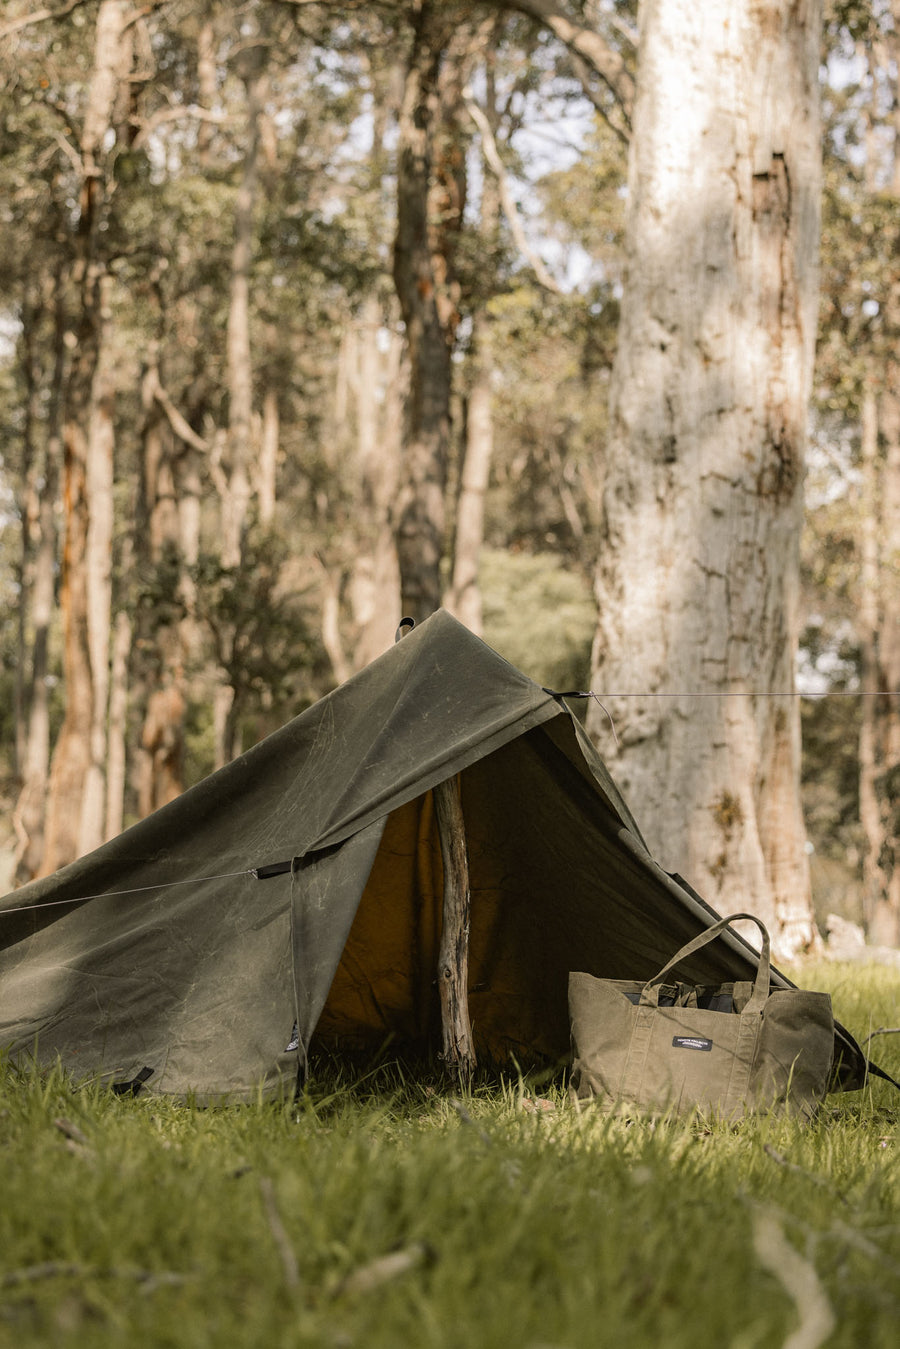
(698, 579)
(457, 1047)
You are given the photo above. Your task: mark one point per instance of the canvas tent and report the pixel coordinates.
(300, 886)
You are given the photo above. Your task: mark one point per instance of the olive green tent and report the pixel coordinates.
(299, 888)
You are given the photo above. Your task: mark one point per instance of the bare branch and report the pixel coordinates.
(583, 70)
(179, 424)
(177, 114)
(590, 46)
(39, 16)
(492, 155)
(882, 1030)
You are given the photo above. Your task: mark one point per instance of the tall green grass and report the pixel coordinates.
(390, 1212)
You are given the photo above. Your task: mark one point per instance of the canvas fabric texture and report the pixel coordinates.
(726, 1050)
(300, 886)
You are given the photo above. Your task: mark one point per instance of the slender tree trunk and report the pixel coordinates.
(879, 751)
(267, 472)
(464, 598)
(880, 733)
(34, 758)
(117, 757)
(698, 579)
(419, 519)
(374, 584)
(161, 754)
(869, 812)
(234, 480)
(98, 577)
(75, 804)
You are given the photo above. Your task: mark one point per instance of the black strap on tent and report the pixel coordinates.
(405, 625)
(273, 869)
(133, 1087)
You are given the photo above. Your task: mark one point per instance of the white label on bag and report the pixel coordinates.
(691, 1042)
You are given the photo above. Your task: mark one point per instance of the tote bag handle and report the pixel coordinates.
(760, 984)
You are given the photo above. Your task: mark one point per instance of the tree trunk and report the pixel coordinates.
(464, 598)
(698, 579)
(236, 499)
(879, 751)
(374, 585)
(117, 757)
(161, 754)
(267, 470)
(880, 613)
(75, 802)
(233, 479)
(429, 316)
(40, 548)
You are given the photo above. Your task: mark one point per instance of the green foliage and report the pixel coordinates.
(539, 615)
(387, 1210)
(264, 633)
(550, 421)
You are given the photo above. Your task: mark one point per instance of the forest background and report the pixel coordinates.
(315, 314)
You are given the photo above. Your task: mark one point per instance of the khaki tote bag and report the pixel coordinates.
(726, 1050)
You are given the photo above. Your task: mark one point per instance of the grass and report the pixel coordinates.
(389, 1212)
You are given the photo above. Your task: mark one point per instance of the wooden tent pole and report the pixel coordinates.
(458, 1050)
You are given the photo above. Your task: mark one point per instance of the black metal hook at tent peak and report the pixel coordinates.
(405, 625)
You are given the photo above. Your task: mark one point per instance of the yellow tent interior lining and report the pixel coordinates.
(534, 911)
(385, 984)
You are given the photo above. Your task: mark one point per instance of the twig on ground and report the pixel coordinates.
(386, 1267)
(467, 1119)
(798, 1278)
(882, 1030)
(801, 1171)
(64, 1269)
(281, 1238)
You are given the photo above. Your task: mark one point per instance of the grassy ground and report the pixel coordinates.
(389, 1212)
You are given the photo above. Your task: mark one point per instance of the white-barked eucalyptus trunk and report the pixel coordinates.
(697, 581)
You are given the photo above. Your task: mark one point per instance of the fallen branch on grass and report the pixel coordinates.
(882, 1030)
(281, 1238)
(385, 1268)
(801, 1171)
(798, 1278)
(63, 1269)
